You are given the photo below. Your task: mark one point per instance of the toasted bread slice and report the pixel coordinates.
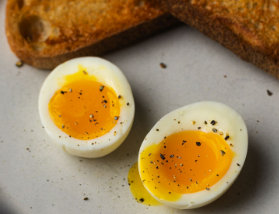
(250, 28)
(46, 33)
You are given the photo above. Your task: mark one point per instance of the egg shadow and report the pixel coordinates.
(5, 209)
(141, 126)
(250, 183)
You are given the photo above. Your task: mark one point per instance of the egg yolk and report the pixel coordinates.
(184, 162)
(83, 107)
(137, 189)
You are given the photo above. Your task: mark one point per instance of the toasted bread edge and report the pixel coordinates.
(217, 29)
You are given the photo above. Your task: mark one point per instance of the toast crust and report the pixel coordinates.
(46, 33)
(247, 27)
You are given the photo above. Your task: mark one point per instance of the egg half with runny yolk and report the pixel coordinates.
(86, 105)
(193, 154)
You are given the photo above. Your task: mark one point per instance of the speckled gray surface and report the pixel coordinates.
(37, 177)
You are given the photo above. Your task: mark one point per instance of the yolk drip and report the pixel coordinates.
(84, 108)
(184, 162)
(137, 189)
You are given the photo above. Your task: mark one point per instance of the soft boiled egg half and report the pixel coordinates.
(86, 105)
(193, 154)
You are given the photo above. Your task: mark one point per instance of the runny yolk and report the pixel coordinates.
(84, 108)
(137, 189)
(184, 162)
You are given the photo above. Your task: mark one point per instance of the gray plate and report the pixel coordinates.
(38, 177)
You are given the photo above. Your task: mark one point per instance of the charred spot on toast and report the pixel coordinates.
(31, 28)
(20, 4)
(139, 3)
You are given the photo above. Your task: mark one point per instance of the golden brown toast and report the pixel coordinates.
(46, 33)
(250, 28)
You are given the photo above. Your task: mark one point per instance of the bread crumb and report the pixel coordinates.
(163, 65)
(19, 64)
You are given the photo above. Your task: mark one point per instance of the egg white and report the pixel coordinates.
(191, 117)
(106, 73)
